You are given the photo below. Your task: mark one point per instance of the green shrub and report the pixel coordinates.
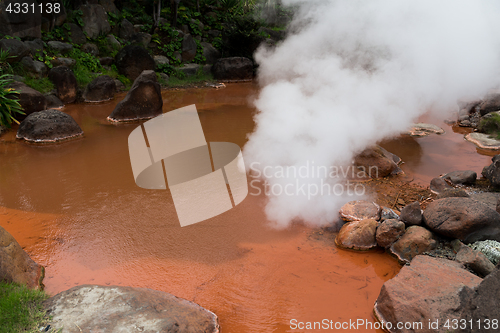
(490, 124)
(43, 85)
(9, 104)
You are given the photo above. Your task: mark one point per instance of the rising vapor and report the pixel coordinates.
(351, 73)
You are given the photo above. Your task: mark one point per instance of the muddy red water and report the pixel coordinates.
(75, 209)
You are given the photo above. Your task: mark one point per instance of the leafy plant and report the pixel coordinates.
(9, 105)
(4, 63)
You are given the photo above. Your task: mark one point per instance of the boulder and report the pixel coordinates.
(480, 305)
(461, 177)
(21, 24)
(68, 62)
(141, 38)
(161, 61)
(490, 103)
(210, 53)
(416, 240)
(189, 69)
(132, 60)
(359, 210)
(235, 68)
(423, 292)
(462, 218)
(35, 46)
(113, 42)
(357, 235)
(126, 309)
(109, 6)
(422, 129)
(439, 185)
(101, 89)
(188, 48)
(95, 20)
(490, 248)
(16, 265)
(60, 47)
(412, 214)
(376, 162)
(126, 30)
(64, 80)
(453, 192)
(48, 126)
(53, 102)
(91, 49)
(143, 101)
(17, 49)
(30, 99)
(35, 68)
(492, 171)
(75, 34)
(472, 259)
(388, 232)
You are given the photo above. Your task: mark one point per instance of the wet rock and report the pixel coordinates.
(126, 29)
(387, 214)
(16, 265)
(48, 126)
(490, 103)
(101, 89)
(143, 101)
(483, 140)
(439, 185)
(95, 20)
(64, 80)
(68, 62)
(490, 248)
(30, 99)
(120, 309)
(492, 171)
(161, 61)
(480, 304)
(236, 68)
(425, 291)
(422, 129)
(188, 48)
(412, 214)
(452, 192)
(17, 49)
(60, 47)
(189, 69)
(462, 218)
(388, 232)
(132, 60)
(91, 49)
(53, 102)
(461, 177)
(376, 162)
(75, 34)
(210, 53)
(359, 210)
(475, 260)
(357, 235)
(416, 240)
(36, 68)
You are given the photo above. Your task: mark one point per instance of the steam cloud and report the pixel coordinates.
(354, 72)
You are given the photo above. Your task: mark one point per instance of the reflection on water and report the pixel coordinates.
(76, 209)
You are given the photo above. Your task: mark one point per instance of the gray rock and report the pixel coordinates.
(207, 69)
(416, 240)
(412, 214)
(462, 218)
(189, 48)
(30, 99)
(95, 20)
(490, 248)
(492, 171)
(213, 33)
(68, 62)
(48, 126)
(423, 129)
(109, 6)
(177, 56)
(119, 85)
(164, 77)
(483, 140)
(490, 103)
(189, 69)
(359, 210)
(143, 101)
(490, 199)
(439, 185)
(453, 192)
(101, 89)
(60, 47)
(473, 259)
(132, 60)
(141, 38)
(236, 68)
(91, 49)
(126, 29)
(35, 46)
(17, 49)
(36, 68)
(76, 34)
(127, 309)
(389, 231)
(53, 102)
(160, 60)
(64, 80)
(210, 53)
(461, 177)
(388, 214)
(22, 24)
(113, 42)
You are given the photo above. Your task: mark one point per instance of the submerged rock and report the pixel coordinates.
(483, 140)
(359, 210)
(462, 218)
(357, 235)
(388, 232)
(48, 126)
(143, 101)
(423, 129)
(425, 291)
(126, 309)
(16, 265)
(492, 171)
(416, 240)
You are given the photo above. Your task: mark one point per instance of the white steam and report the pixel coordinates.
(354, 72)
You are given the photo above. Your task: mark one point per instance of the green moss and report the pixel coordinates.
(42, 85)
(490, 124)
(21, 308)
